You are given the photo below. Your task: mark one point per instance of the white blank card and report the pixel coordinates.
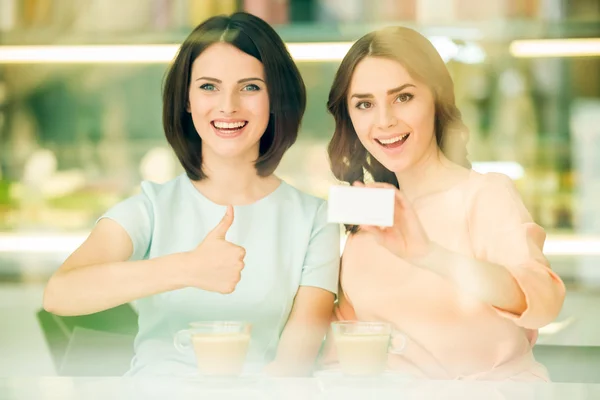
(361, 206)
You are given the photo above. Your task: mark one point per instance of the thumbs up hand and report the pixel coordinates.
(216, 264)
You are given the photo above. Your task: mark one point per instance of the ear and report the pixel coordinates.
(187, 107)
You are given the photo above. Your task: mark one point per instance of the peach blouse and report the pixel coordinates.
(451, 335)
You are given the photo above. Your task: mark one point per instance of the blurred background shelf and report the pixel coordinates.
(486, 31)
(27, 22)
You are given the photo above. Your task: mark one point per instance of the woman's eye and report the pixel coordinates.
(363, 105)
(251, 88)
(404, 97)
(208, 86)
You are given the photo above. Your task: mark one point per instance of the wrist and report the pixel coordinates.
(179, 269)
(282, 368)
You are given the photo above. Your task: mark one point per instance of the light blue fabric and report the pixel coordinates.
(288, 244)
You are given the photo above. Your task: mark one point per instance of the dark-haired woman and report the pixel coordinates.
(227, 239)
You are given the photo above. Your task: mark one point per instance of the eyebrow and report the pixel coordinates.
(207, 78)
(391, 91)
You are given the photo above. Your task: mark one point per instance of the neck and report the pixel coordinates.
(424, 176)
(233, 180)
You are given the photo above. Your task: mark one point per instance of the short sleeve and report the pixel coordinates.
(502, 232)
(322, 259)
(136, 217)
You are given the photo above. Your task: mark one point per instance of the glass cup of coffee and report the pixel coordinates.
(220, 346)
(363, 347)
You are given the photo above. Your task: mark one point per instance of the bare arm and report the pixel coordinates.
(97, 276)
(304, 332)
(491, 283)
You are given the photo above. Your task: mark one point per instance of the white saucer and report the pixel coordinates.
(386, 375)
(218, 381)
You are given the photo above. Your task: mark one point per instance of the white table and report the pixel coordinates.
(21, 388)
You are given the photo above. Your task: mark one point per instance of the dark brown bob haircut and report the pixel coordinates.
(348, 158)
(287, 93)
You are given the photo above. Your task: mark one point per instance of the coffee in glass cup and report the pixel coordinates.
(220, 346)
(363, 347)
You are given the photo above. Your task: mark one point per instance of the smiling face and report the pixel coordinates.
(228, 102)
(393, 117)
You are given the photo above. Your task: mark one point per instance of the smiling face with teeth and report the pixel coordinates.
(393, 117)
(228, 102)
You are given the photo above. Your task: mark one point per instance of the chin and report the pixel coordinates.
(394, 166)
(235, 151)
(230, 154)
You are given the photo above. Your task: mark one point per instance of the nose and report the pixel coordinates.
(387, 119)
(229, 103)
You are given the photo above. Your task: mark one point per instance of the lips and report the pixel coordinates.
(228, 129)
(393, 142)
(229, 126)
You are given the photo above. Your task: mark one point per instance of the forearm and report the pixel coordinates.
(304, 332)
(94, 288)
(298, 348)
(491, 283)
